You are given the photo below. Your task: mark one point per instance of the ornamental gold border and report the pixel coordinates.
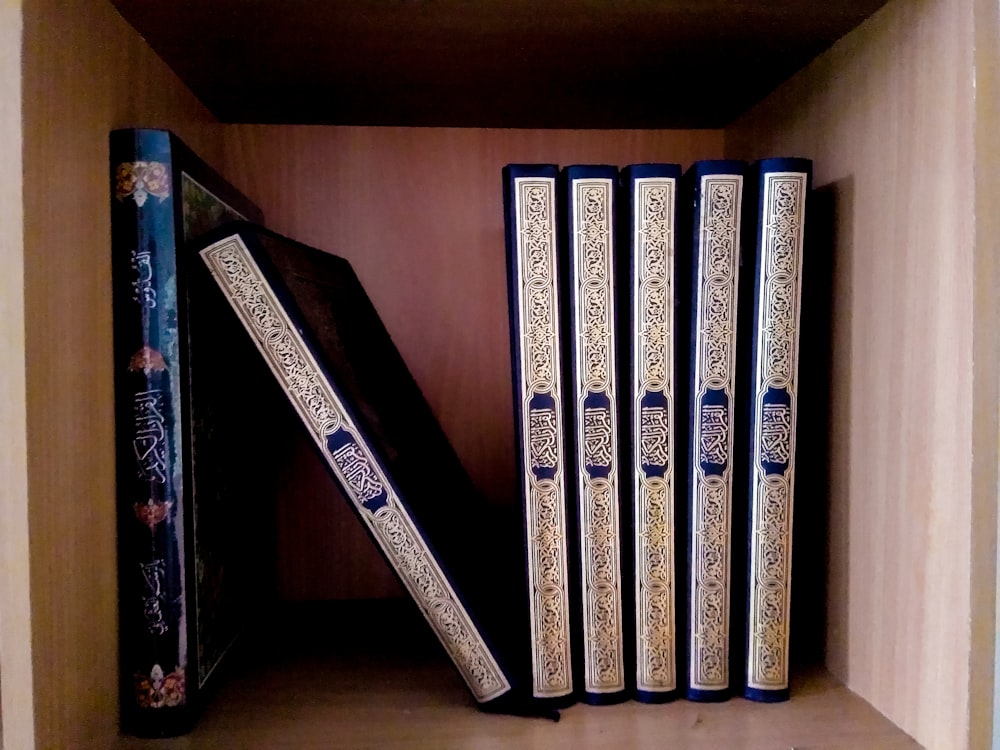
(715, 367)
(777, 364)
(653, 238)
(322, 412)
(593, 275)
(540, 374)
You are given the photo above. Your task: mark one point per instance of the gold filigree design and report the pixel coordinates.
(653, 368)
(541, 433)
(771, 495)
(323, 413)
(715, 368)
(597, 434)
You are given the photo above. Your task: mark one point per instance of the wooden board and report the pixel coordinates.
(16, 726)
(366, 677)
(892, 139)
(85, 71)
(419, 214)
(495, 63)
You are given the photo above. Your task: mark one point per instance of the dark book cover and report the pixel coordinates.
(536, 297)
(712, 199)
(594, 409)
(774, 229)
(649, 339)
(184, 590)
(314, 326)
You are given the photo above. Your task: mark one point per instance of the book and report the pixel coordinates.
(184, 590)
(319, 334)
(712, 193)
(536, 302)
(774, 219)
(648, 279)
(594, 407)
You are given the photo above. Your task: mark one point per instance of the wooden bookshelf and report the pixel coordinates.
(368, 686)
(894, 114)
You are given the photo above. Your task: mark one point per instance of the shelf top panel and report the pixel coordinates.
(489, 63)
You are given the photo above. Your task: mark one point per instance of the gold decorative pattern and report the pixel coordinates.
(774, 439)
(322, 412)
(712, 435)
(541, 433)
(141, 179)
(597, 433)
(653, 373)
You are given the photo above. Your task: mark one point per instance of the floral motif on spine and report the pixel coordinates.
(542, 437)
(322, 412)
(653, 368)
(715, 366)
(771, 500)
(593, 276)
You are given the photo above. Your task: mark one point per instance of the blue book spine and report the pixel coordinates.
(715, 189)
(775, 215)
(267, 311)
(649, 192)
(536, 295)
(174, 628)
(594, 405)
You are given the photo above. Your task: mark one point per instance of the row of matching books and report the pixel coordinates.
(225, 330)
(654, 321)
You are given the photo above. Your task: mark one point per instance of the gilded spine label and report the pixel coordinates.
(541, 433)
(777, 321)
(712, 435)
(358, 470)
(592, 256)
(653, 428)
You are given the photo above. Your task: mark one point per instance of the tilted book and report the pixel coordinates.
(536, 294)
(649, 283)
(713, 194)
(775, 225)
(319, 334)
(595, 409)
(184, 586)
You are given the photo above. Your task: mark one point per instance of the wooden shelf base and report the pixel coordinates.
(338, 680)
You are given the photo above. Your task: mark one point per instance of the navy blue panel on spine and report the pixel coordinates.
(769, 329)
(649, 359)
(711, 208)
(535, 289)
(589, 194)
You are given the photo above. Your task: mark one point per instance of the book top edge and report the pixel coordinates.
(640, 171)
(716, 166)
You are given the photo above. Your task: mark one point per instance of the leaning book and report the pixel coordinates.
(312, 323)
(184, 588)
(774, 216)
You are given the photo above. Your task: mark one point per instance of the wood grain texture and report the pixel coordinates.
(16, 705)
(984, 702)
(359, 686)
(85, 71)
(492, 63)
(419, 214)
(892, 140)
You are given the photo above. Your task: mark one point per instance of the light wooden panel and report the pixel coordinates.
(887, 114)
(418, 212)
(381, 682)
(984, 702)
(16, 727)
(84, 72)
